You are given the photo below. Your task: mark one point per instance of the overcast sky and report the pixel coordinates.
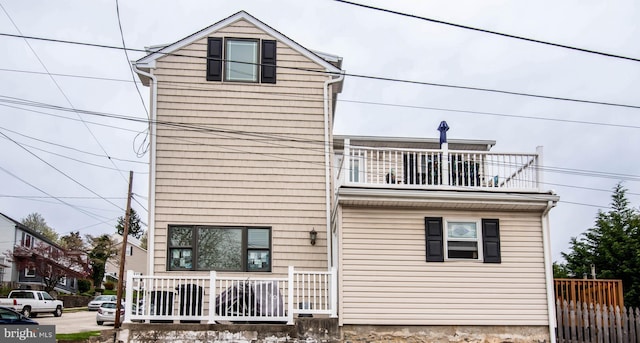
(60, 167)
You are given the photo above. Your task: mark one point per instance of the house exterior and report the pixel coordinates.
(426, 239)
(20, 236)
(135, 257)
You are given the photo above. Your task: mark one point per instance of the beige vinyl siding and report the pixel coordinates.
(245, 154)
(386, 281)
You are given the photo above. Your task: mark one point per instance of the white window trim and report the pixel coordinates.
(26, 272)
(478, 239)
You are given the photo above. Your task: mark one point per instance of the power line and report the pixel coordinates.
(59, 88)
(59, 171)
(266, 137)
(92, 215)
(68, 147)
(143, 145)
(70, 158)
(373, 103)
(363, 76)
(489, 31)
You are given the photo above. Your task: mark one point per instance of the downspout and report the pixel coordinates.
(548, 271)
(152, 168)
(327, 164)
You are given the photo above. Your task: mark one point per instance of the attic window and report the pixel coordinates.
(242, 60)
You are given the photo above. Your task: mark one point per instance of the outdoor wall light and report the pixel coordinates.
(313, 235)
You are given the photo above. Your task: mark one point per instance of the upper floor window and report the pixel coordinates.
(219, 248)
(241, 60)
(27, 240)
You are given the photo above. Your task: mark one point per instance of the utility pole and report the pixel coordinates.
(123, 251)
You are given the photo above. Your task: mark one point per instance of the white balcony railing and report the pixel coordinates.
(234, 299)
(442, 168)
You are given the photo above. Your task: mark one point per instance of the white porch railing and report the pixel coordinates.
(214, 298)
(441, 168)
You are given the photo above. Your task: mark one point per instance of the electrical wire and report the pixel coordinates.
(92, 215)
(68, 147)
(60, 171)
(144, 145)
(187, 86)
(64, 95)
(606, 54)
(265, 137)
(363, 76)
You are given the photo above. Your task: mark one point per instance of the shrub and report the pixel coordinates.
(109, 285)
(84, 286)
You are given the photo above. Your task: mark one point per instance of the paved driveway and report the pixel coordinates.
(72, 322)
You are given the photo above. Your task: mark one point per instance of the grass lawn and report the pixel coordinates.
(77, 336)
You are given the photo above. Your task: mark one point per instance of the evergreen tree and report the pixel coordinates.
(612, 246)
(135, 230)
(103, 248)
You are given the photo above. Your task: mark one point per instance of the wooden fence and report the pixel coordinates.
(582, 323)
(603, 292)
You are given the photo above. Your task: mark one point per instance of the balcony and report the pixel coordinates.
(397, 167)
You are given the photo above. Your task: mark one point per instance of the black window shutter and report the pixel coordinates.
(434, 239)
(268, 61)
(491, 240)
(214, 59)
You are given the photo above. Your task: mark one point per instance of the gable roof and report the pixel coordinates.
(148, 62)
(31, 231)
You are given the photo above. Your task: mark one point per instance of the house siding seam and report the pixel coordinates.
(261, 165)
(386, 281)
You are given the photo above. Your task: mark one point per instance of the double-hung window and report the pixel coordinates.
(241, 60)
(462, 240)
(219, 248)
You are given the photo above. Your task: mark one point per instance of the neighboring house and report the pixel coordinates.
(19, 235)
(447, 239)
(135, 257)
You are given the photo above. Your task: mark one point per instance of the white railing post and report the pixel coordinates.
(212, 297)
(128, 301)
(538, 168)
(445, 163)
(290, 297)
(334, 292)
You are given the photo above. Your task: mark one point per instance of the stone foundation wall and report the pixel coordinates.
(437, 334)
(317, 330)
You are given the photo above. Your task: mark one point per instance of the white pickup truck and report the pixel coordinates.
(30, 303)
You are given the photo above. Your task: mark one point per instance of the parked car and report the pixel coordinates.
(31, 303)
(95, 304)
(107, 312)
(9, 316)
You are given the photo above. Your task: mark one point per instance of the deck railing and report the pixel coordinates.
(590, 291)
(424, 168)
(213, 298)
